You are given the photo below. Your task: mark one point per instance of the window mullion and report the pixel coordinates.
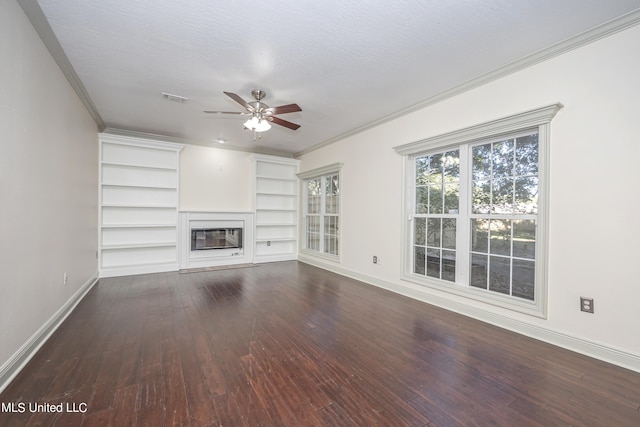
(323, 205)
(463, 222)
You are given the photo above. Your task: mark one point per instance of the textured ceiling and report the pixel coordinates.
(346, 63)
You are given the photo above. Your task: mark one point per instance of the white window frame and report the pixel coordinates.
(537, 119)
(322, 173)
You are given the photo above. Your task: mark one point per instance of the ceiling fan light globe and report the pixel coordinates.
(262, 126)
(252, 123)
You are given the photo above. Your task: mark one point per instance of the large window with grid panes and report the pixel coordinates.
(321, 211)
(476, 211)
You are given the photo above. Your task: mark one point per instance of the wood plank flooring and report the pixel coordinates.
(287, 344)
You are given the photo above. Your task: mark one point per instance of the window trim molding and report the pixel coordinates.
(494, 128)
(324, 170)
(334, 168)
(539, 118)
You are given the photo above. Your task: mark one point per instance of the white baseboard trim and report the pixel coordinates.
(588, 348)
(18, 361)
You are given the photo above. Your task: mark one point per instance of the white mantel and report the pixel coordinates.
(213, 258)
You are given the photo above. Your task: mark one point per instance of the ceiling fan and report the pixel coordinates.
(261, 114)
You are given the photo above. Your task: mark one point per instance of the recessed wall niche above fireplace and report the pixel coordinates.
(210, 239)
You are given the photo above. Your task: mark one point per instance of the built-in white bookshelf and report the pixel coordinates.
(138, 214)
(276, 208)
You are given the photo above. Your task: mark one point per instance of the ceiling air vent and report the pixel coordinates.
(174, 98)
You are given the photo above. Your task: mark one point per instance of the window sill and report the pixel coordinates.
(531, 308)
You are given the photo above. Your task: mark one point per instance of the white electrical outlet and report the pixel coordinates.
(65, 278)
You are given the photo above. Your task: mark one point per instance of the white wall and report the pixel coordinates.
(48, 185)
(594, 243)
(214, 179)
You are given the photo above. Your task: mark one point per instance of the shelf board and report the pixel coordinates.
(139, 225)
(275, 210)
(138, 166)
(275, 178)
(145, 206)
(151, 187)
(276, 224)
(139, 245)
(276, 239)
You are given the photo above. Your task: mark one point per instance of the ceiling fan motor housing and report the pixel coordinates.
(258, 94)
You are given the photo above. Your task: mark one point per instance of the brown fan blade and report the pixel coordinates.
(290, 108)
(281, 122)
(240, 101)
(242, 113)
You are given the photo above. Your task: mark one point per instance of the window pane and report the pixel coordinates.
(419, 260)
(527, 155)
(449, 266)
(313, 224)
(313, 233)
(435, 199)
(433, 262)
(331, 240)
(500, 235)
(479, 271)
(449, 233)
(481, 197)
(329, 227)
(526, 199)
(331, 194)
(435, 168)
(433, 232)
(451, 198)
(313, 186)
(313, 242)
(480, 235)
(524, 239)
(502, 196)
(313, 196)
(523, 279)
(422, 170)
(422, 201)
(502, 159)
(452, 165)
(500, 274)
(481, 162)
(420, 226)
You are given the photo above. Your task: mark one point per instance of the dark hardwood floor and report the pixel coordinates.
(287, 344)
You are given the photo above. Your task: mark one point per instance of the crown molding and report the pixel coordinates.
(39, 22)
(601, 31)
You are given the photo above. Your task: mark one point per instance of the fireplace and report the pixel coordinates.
(215, 238)
(204, 239)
